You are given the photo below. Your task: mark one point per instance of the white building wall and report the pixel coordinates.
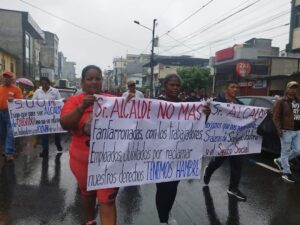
(47, 72)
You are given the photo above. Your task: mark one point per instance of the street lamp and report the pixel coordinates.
(152, 54)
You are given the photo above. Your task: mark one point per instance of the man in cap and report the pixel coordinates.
(286, 117)
(8, 92)
(132, 92)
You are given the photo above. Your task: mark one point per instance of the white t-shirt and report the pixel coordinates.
(138, 94)
(51, 94)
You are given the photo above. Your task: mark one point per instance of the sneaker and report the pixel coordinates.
(172, 221)
(278, 164)
(237, 194)
(206, 176)
(288, 177)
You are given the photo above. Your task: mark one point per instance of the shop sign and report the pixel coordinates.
(224, 54)
(243, 69)
(245, 84)
(259, 84)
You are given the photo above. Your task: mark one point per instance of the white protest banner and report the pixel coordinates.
(32, 117)
(144, 141)
(231, 129)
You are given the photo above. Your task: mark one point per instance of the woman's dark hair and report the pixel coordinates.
(87, 68)
(45, 79)
(170, 77)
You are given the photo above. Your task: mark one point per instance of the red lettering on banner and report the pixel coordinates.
(224, 151)
(115, 109)
(134, 109)
(166, 110)
(183, 109)
(190, 112)
(242, 150)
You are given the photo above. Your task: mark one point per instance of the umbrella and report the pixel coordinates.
(25, 81)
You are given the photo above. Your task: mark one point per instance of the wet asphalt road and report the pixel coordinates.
(35, 191)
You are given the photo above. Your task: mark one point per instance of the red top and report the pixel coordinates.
(6, 91)
(78, 147)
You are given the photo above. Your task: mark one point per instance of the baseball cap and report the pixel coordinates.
(291, 84)
(130, 82)
(8, 74)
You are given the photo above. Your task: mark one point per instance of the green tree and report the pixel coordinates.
(194, 77)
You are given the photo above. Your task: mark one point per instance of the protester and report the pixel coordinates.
(8, 92)
(28, 94)
(229, 95)
(193, 97)
(286, 117)
(132, 92)
(75, 116)
(166, 191)
(182, 96)
(46, 92)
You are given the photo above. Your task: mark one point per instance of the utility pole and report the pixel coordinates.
(152, 89)
(152, 55)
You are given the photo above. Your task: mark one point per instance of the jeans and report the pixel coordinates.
(6, 134)
(236, 163)
(45, 141)
(290, 148)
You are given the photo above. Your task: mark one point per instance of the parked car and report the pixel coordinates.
(66, 92)
(269, 144)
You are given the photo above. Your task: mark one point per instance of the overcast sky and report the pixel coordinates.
(216, 24)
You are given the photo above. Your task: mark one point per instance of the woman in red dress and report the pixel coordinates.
(75, 117)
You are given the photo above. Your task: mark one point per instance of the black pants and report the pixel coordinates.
(236, 163)
(165, 197)
(45, 141)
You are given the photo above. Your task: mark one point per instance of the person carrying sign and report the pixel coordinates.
(229, 95)
(286, 117)
(8, 92)
(166, 191)
(75, 116)
(46, 92)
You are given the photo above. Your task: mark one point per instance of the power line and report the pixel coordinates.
(81, 27)
(195, 32)
(225, 18)
(255, 25)
(183, 21)
(225, 39)
(146, 47)
(229, 16)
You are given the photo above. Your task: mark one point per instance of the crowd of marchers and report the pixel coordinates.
(76, 116)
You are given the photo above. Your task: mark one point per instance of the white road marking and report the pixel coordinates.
(265, 166)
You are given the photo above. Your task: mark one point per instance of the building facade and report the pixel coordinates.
(8, 61)
(20, 36)
(49, 56)
(294, 38)
(119, 64)
(69, 72)
(256, 65)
